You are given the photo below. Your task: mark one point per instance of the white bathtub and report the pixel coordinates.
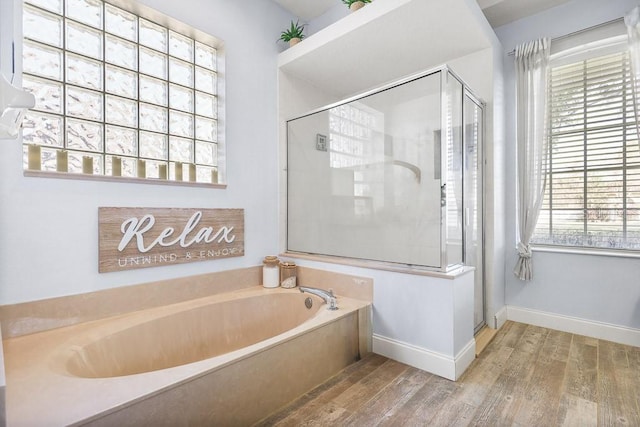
(228, 359)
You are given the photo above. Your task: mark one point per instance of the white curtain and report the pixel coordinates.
(532, 77)
(632, 21)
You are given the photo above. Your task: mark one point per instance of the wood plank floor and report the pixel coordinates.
(527, 376)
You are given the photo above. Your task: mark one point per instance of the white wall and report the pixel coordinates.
(338, 11)
(48, 227)
(594, 288)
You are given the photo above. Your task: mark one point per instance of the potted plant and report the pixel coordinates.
(293, 34)
(355, 4)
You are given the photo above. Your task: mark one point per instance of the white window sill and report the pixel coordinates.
(89, 177)
(619, 253)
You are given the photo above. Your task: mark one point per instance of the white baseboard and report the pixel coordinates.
(427, 360)
(500, 318)
(574, 325)
(465, 357)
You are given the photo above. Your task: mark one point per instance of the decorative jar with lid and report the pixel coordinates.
(288, 274)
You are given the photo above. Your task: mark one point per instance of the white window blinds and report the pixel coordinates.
(592, 196)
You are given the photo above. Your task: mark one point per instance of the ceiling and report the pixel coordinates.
(498, 12)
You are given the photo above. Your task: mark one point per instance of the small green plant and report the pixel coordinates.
(293, 32)
(350, 2)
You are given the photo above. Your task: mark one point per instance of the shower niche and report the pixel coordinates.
(391, 176)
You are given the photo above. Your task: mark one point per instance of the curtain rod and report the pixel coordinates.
(513, 52)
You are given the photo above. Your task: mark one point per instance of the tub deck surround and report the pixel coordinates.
(53, 377)
(342, 284)
(36, 316)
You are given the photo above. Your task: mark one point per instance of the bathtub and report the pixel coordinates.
(228, 359)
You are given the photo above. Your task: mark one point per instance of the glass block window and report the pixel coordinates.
(117, 94)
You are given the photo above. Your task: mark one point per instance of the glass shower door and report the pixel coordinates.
(473, 207)
(364, 177)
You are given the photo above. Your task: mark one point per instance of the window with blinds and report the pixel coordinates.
(592, 195)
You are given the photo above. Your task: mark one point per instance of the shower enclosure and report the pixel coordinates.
(392, 176)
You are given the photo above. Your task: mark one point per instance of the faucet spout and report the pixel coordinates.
(327, 296)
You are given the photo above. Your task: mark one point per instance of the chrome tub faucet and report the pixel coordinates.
(327, 296)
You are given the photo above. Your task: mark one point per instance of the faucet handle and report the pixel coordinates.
(331, 292)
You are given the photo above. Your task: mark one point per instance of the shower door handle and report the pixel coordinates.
(443, 195)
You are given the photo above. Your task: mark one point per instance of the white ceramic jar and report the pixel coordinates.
(271, 272)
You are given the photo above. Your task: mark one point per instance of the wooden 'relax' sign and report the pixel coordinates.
(149, 237)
